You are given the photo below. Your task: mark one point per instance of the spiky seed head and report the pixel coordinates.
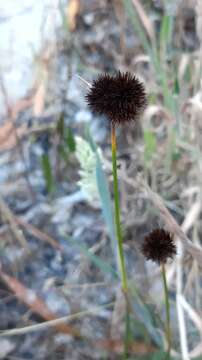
(121, 97)
(158, 246)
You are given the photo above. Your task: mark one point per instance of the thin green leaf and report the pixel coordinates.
(166, 31)
(150, 146)
(105, 197)
(63, 152)
(70, 139)
(176, 87)
(188, 73)
(61, 126)
(47, 172)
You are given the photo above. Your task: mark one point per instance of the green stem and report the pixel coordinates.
(127, 338)
(168, 329)
(117, 213)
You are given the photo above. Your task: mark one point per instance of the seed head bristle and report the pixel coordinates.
(158, 246)
(120, 97)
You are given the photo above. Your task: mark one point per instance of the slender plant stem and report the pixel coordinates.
(168, 329)
(117, 213)
(124, 282)
(127, 338)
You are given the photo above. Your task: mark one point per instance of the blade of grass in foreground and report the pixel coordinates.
(96, 260)
(47, 172)
(105, 196)
(166, 35)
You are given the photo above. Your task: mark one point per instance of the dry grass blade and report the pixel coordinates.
(120, 14)
(8, 215)
(180, 310)
(39, 98)
(38, 233)
(188, 222)
(191, 216)
(84, 81)
(73, 10)
(7, 136)
(198, 10)
(192, 313)
(37, 305)
(144, 19)
(12, 114)
(58, 323)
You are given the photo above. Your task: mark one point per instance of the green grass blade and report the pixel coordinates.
(166, 33)
(69, 137)
(105, 196)
(61, 126)
(47, 172)
(96, 260)
(150, 146)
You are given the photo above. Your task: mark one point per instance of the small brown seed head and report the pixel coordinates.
(158, 246)
(121, 98)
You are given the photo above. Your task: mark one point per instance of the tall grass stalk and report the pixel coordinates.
(117, 212)
(167, 304)
(119, 235)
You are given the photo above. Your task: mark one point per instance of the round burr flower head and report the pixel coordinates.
(158, 246)
(120, 97)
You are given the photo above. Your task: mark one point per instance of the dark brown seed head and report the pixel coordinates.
(158, 246)
(120, 97)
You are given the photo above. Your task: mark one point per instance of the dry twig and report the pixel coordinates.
(8, 215)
